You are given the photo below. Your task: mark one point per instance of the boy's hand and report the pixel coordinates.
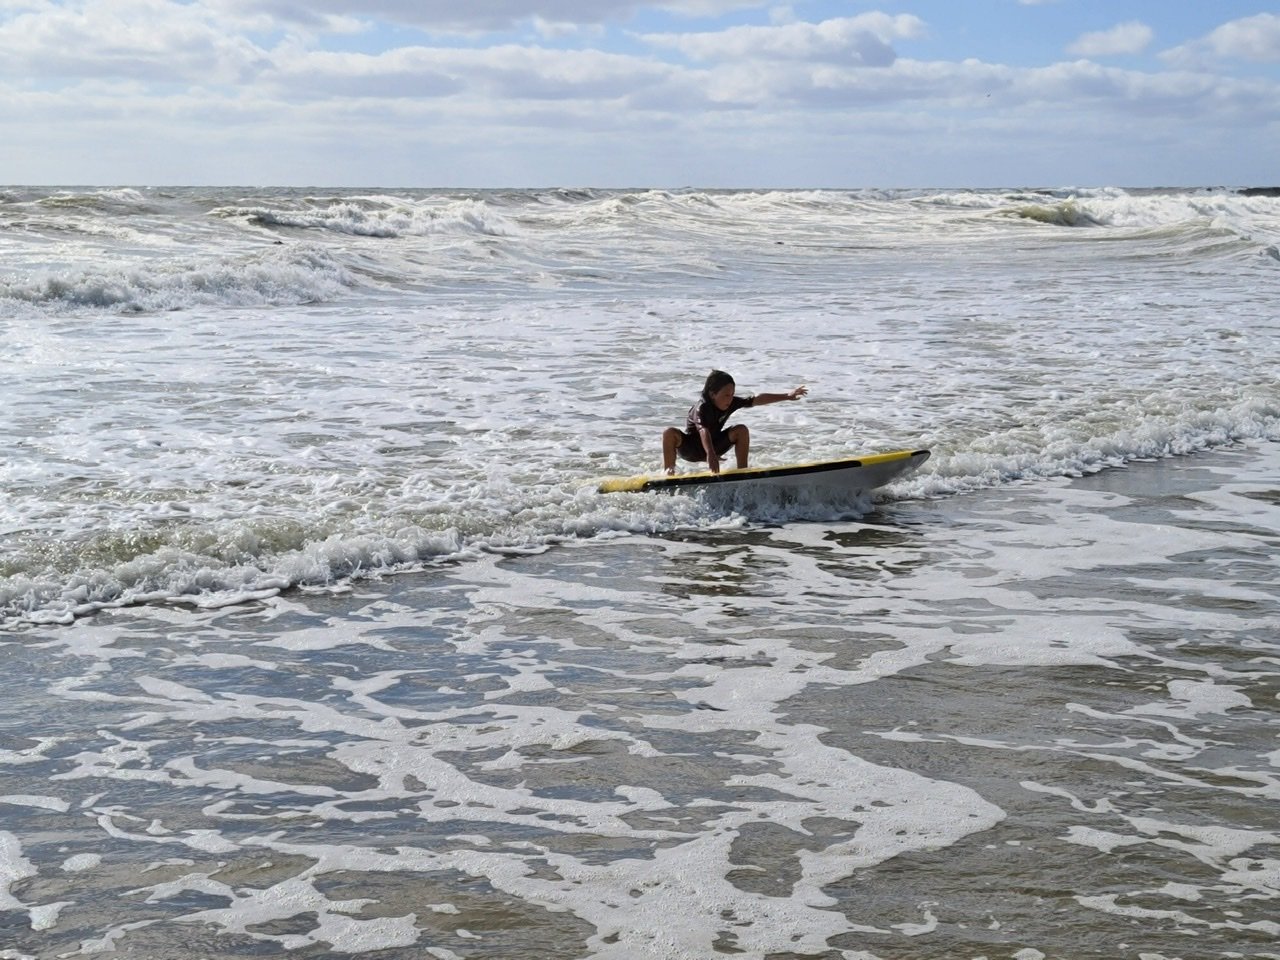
(798, 392)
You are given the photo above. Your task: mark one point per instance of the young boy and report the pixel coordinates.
(704, 436)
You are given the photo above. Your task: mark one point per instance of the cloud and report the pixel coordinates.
(141, 40)
(164, 49)
(1125, 38)
(407, 73)
(1080, 91)
(554, 30)
(863, 39)
(268, 90)
(473, 16)
(1254, 38)
(509, 73)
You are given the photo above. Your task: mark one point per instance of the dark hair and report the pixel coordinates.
(717, 380)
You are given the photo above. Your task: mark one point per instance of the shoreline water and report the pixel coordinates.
(952, 727)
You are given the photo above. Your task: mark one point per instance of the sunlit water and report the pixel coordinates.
(318, 638)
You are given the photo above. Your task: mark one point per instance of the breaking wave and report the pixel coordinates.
(233, 561)
(278, 276)
(382, 218)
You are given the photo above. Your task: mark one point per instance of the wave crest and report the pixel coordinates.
(272, 278)
(379, 217)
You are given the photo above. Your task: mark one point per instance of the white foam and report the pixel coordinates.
(13, 867)
(285, 900)
(1195, 698)
(81, 862)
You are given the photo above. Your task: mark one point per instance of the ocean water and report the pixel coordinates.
(318, 639)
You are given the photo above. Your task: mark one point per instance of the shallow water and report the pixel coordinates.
(1040, 719)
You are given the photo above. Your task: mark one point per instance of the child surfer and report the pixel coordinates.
(704, 436)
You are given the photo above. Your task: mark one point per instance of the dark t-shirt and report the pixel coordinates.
(704, 413)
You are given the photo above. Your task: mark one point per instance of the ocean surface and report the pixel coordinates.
(316, 638)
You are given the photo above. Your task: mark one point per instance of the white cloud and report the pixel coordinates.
(555, 30)
(1124, 38)
(268, 93)
(152, 40)
(1254, 38)
(863, 39)
(782, 15)
(508, 73)
(843, 63)
(473, 16)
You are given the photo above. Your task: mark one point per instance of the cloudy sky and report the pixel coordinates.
(666, 93)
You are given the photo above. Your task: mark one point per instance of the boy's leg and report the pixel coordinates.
(671, 438)
(741, 438)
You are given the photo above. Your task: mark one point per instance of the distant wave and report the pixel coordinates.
(1190, 223)
(284, 276)
(382, 218)
(124, 198)
(1066, 213)
(1118, 208)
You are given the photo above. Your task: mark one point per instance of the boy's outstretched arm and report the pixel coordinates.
(796, 394)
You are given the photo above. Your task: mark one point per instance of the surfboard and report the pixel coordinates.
(847, 476)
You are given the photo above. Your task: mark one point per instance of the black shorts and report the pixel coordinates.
(691, 446)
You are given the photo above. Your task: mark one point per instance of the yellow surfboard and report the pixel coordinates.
(854, 474)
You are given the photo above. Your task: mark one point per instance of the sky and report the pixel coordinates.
(632, 93)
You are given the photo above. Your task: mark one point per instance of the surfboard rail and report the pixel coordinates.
(865, 472)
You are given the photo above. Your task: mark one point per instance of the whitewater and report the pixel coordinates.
(318, 636)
